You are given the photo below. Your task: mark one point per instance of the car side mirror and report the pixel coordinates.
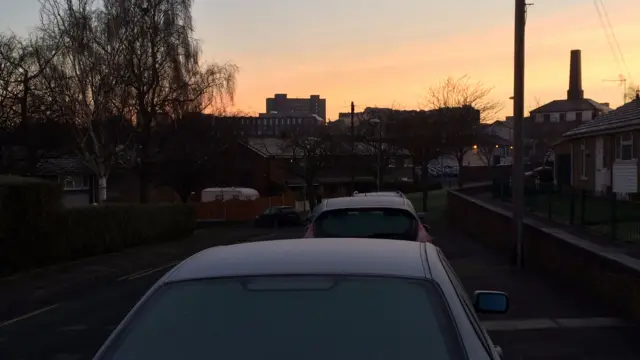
(490, 302)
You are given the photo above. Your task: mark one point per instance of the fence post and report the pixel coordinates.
(572, 205)
(614, 215)
(583, 207)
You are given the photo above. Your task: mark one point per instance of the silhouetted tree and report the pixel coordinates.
(189, 152)
(162, 67)
(310, 155)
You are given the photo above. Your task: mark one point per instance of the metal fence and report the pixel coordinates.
(603, 215)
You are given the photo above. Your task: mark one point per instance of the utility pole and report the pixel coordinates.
(353, 149)
(379, 159)
(518, 116)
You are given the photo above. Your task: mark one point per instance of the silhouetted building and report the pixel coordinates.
(271, 124)
(548, 122)
(313, 105)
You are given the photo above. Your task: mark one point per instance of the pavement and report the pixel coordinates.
(545, 321)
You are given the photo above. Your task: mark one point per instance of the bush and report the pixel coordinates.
(27, 216)
(101, 229)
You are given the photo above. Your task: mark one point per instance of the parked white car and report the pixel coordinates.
(312, 299)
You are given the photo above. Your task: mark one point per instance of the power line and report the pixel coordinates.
(607, 36)
(615, 39)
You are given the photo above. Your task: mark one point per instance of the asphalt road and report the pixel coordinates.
(536, 328)
(74, 329)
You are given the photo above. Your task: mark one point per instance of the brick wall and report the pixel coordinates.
(611, 277)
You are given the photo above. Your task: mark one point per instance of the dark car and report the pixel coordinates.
(278, 216)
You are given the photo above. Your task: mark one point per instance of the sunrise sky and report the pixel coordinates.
(387, 52)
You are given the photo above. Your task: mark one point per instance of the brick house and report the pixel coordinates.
(603, 153)
(547, 123)
(264, 164)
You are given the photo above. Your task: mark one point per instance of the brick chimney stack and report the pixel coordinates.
(575, 91)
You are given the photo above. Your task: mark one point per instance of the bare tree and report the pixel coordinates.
(190, 152)
(22, 63)
(461, 106)
(87, 76)
(460, 92)
(163, 69)
(420, 133)
(311, 154)
(631, 92)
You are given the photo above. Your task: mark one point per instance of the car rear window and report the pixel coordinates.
(367, 222)
(291, 318)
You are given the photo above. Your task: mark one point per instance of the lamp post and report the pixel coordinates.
(376, 124)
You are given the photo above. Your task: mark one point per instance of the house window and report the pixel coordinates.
(583, 157)
(547, 117)
(539, 118)
(624, 147)
(554, 117)
(571, 116)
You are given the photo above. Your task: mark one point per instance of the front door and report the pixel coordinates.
(563, 169)
(601, 175)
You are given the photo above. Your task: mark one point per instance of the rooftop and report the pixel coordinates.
(626, 116)
(307, 256)
(566, 105)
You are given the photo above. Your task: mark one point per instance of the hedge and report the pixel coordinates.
(28, 208)
(35, 230)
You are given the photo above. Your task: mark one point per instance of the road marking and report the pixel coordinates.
(135, 273)
(145, 272)
(140, 274)
(66, 357)
(73, 328)
(23, 317)
(592, 322)
(562, 323)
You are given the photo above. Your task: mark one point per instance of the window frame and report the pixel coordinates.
(621, 143)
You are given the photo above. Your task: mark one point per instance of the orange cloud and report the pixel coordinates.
(388, 74)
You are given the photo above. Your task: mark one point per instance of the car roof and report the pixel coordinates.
(355, 256)
(395, 202)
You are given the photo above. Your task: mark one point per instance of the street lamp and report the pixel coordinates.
(376, 123)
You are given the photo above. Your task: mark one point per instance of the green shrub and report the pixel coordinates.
(27, 212)
(101, 229)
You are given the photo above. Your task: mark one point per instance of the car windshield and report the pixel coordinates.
(291, 318)
(367, 222)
